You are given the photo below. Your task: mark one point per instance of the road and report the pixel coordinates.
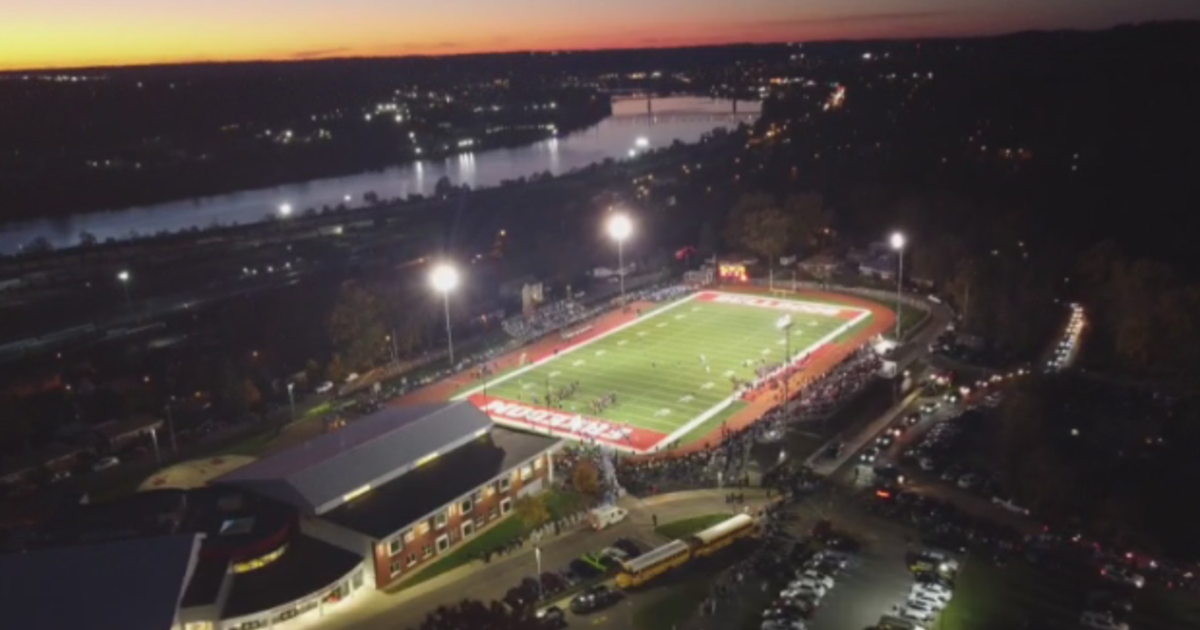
(872, 586)
(379, 610)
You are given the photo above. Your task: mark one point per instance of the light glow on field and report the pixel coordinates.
(666, 379)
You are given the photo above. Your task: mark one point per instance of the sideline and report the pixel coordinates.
(684, 429)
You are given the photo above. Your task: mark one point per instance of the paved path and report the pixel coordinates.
(378, 610)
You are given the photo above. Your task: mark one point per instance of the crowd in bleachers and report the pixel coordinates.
(724, 461)
(548, 318)
(824, 396)
(662, 294)
(564, 314)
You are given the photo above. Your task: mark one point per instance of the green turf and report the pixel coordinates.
(654, 366)
(688, 526)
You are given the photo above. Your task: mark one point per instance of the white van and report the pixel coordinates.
(602, 517)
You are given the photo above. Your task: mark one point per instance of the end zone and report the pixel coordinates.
(629, 437)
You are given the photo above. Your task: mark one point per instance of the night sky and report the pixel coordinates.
(67, 33)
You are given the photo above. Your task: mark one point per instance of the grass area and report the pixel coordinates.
(655, 368)
(251, 445)
(987, 596)
(498, 534)
(562, 503)
(319, 410)
(674, 608)
(688, 526)
(702, 430)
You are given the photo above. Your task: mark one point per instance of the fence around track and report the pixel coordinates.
(884, 298)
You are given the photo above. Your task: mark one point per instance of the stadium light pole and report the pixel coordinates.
(292, 400)
(445, 279)
(898, 245)
(123, 276)
(785, 324)
(620, 227)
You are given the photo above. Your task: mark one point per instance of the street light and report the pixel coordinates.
(444, 279)
(898, 245)
(785, 324)
(123, 277)
(620, 227)
(292, 400)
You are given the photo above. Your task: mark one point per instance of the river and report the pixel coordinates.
(674, 118)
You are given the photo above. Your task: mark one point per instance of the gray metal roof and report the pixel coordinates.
(317, 475)
(133, 584)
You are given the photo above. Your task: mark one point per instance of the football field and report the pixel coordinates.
(651, 381)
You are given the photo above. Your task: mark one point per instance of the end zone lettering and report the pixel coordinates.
(787, 305)
(557, 420)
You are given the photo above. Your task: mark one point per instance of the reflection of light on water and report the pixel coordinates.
(683, 118)
(466, 169)
(552, 144)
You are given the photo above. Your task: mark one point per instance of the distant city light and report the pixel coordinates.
(285, 209)
(632, 153)
(642, 142)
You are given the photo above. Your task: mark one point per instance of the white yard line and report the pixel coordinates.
(698, 420)
(550, 357)
(719, 407)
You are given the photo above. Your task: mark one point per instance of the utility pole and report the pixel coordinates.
(171, 429)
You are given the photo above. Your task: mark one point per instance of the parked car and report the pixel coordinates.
(552, 583)
(552, 618)
(1009, 505)
(1101, 621)
(594, 598)
(1121, 575)
(631, 548)
(104, 463)
(810, 575)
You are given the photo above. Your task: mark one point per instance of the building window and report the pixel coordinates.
(395, 546)
(537, 464)
(423, 528)
(443, 543)
(439, 520)
(259, 562)
(505, 484)
(466, 506)
(481, 521)
(409, 536)
(468, 528)
(491, 489)
(412, 558)
(426, 551)
(506, 506)
(477, 496)
(396, 568)
(492, 512)
(526, 472)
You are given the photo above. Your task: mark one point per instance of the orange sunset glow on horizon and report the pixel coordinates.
(82, 33)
